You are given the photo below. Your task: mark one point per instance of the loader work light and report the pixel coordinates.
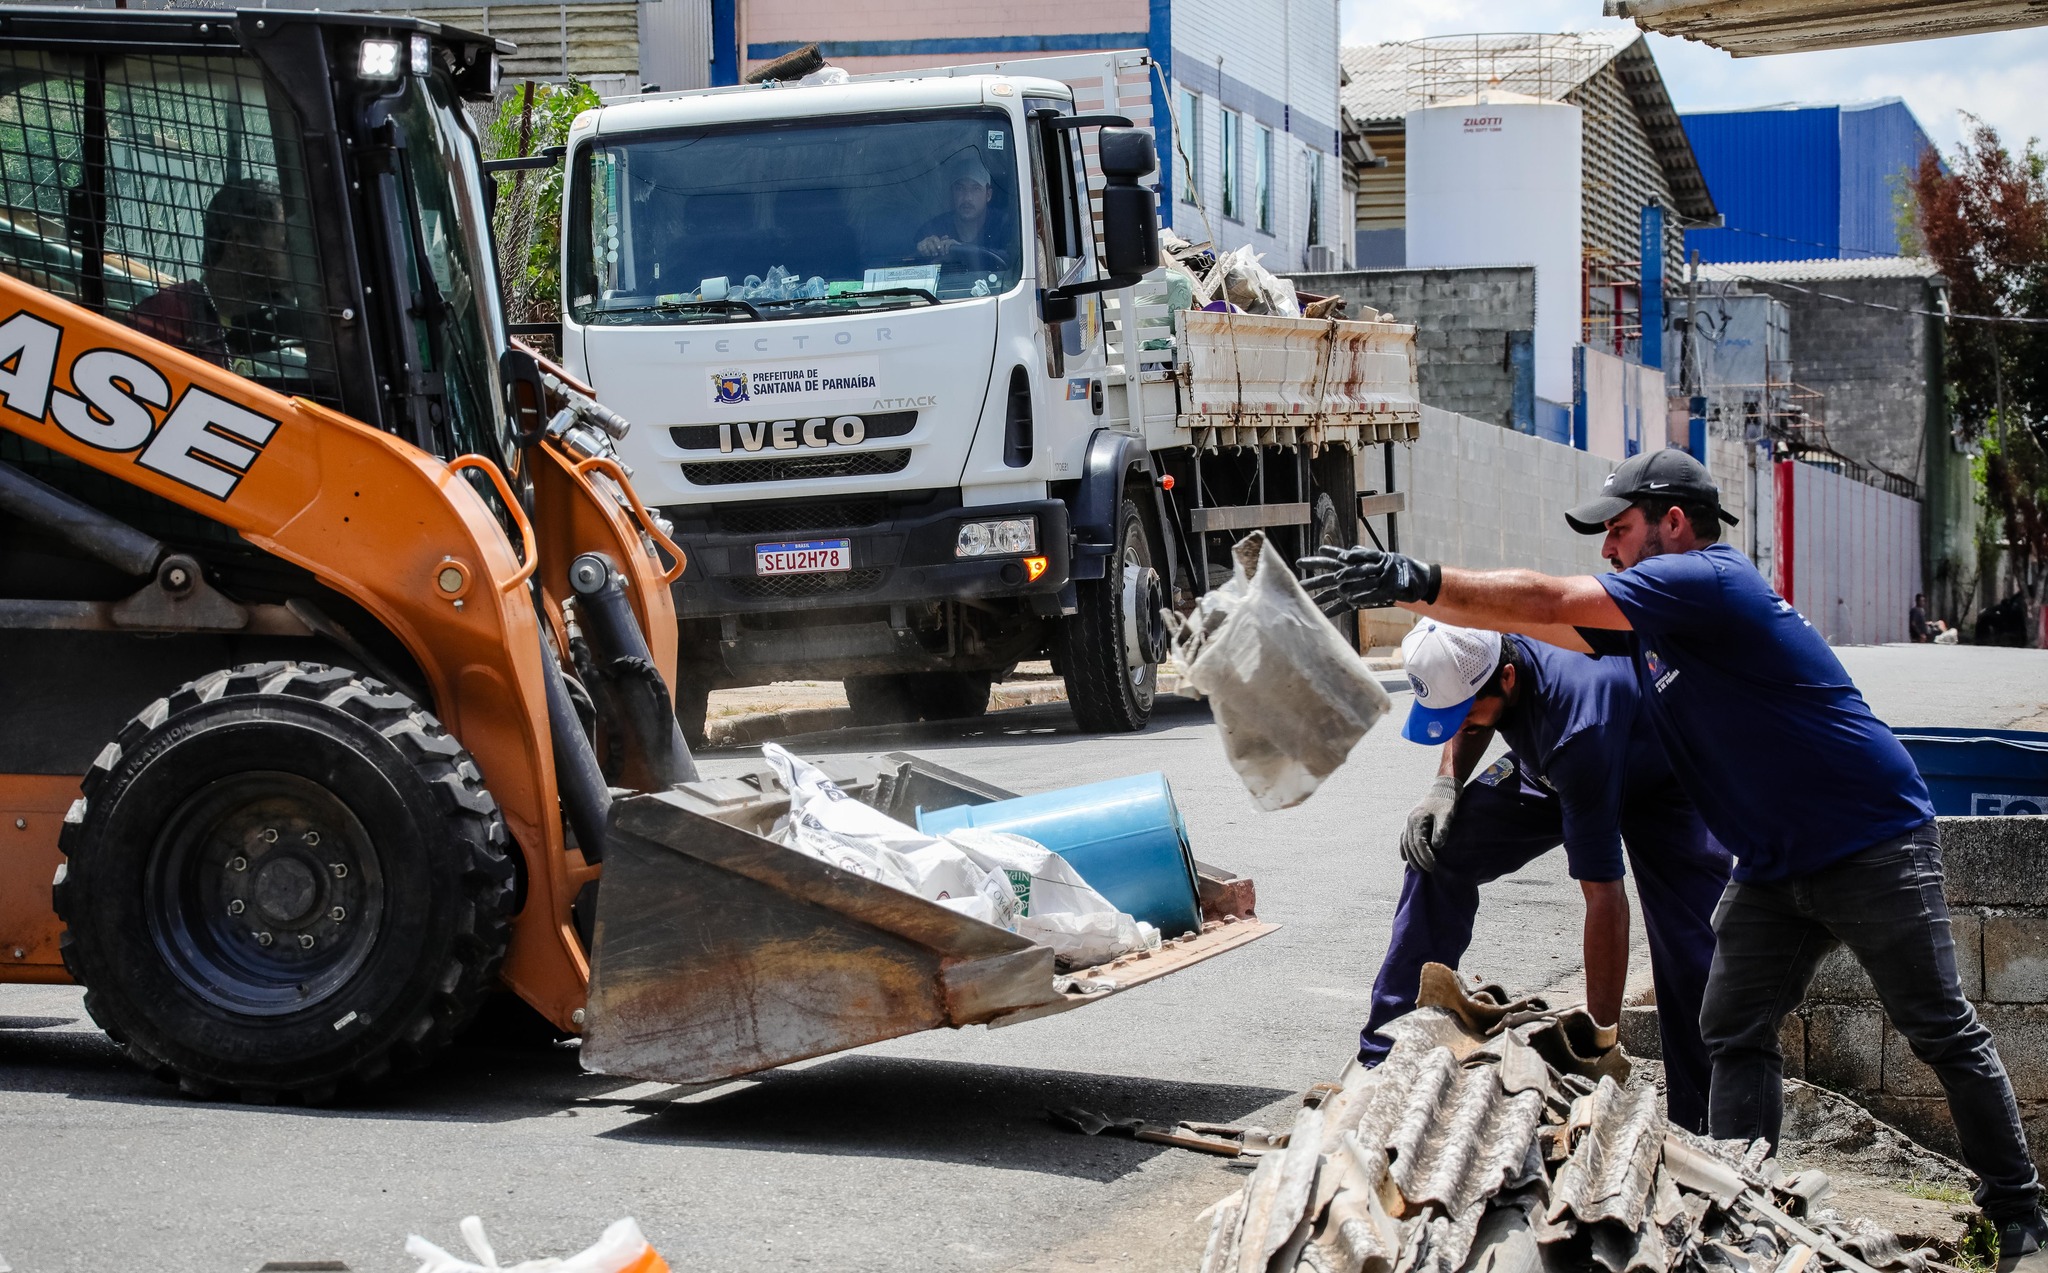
(1003, 538)
(422, 56)
(378, 60)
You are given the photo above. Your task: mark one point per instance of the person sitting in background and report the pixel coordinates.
(1919, 629)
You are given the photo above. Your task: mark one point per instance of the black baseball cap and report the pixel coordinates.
(1668, 473)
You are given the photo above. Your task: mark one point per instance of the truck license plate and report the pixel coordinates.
(810, 557)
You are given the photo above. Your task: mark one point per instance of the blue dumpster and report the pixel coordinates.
(1981, 772)
(1124, 836)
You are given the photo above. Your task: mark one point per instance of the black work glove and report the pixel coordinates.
(1366, 578)
(1429, 824)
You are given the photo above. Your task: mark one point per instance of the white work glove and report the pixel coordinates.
(1429, 824)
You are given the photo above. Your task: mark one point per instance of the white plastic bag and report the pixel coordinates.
(833, 827)
(1291, 695)
(622, 1249)
(1057, 908)
(992, 876)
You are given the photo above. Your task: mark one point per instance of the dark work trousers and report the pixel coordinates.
(1680, 872)
(1886, 905)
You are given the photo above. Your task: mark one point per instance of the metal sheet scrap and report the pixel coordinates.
(1506, 1138)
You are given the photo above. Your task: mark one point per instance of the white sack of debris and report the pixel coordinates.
(993, 876)
(1290, 694)
(1502, 1137)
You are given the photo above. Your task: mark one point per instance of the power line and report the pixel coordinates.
(1896, 309)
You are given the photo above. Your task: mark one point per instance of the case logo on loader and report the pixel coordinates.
(203, 440)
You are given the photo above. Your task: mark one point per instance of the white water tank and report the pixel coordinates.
(1493, 179)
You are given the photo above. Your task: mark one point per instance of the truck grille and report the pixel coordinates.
(775, 519)
(850, 464)
(767, 587)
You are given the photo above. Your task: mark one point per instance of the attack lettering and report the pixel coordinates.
(203, 441)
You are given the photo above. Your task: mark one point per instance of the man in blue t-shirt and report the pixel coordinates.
(1829, 821)
(1582, 770)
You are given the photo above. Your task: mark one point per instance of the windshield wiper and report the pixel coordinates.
(686, 307)
(922, 293)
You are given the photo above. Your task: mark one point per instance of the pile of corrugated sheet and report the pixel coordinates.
(1503, 1137)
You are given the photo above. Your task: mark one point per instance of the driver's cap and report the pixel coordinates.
(1446, 665)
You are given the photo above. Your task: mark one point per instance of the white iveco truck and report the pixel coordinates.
(903, 387)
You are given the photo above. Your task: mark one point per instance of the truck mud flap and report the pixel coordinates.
(718, 952)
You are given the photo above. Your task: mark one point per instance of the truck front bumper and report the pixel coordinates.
(904, 557)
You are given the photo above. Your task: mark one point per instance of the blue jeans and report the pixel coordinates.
(1680, 871)
(1886, 905)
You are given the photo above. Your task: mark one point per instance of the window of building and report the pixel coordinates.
(1315, 197)
(1189, 112)
(1227, 139)
(1262, 179)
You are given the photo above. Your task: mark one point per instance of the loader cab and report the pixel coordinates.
(295, 196)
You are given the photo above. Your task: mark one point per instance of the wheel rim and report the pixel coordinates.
(264, 894)
(1144, 632)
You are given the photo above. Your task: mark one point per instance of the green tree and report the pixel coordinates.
(1983, 220)
(528, 222)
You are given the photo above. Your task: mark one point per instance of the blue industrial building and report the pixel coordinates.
(1800, 183)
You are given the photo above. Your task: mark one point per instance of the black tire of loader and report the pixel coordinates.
(439, 844)
(1104, 696)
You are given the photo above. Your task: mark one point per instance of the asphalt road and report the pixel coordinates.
(927, 1153)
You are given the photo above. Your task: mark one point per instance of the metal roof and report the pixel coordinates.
(1822, 270)
(1386, 81)
(1747, 28)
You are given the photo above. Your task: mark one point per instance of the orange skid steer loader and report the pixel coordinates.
(334, 645)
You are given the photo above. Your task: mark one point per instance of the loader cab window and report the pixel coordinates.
(167, 191)
(459, 319)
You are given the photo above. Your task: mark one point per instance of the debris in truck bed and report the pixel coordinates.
(1291, 695)
(1494, 1138)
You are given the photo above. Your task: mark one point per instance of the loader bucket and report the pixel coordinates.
(718, 952)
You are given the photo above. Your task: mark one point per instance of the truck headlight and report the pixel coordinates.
(1003, 538)
(378, 59)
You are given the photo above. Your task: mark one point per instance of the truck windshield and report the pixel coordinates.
(794, 218)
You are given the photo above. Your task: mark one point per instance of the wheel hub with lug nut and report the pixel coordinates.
(1144, 625)
(264, 894)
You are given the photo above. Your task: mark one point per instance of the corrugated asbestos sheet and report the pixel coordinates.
(1505, 1138)
(1747, 28)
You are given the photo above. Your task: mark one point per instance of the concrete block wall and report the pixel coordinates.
(1483, 496)
(1998, 903)
(1463, 317)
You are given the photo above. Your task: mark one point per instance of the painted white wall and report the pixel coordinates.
(1486, 497)
(1496, 182)
(1285, 50)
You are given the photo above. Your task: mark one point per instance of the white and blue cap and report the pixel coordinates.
(1446, 667)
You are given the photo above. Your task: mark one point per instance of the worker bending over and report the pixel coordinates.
(1582, 770)
(1833, 834)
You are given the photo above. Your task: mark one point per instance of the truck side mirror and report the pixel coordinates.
(1130, 212)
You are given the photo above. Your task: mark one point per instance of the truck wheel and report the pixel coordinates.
(1115, 638)
(283, 880)
(693, 706)
(1329, 530)
(881, 700)
(951, 695)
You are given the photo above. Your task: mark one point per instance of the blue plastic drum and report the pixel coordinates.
(1124, 836)
(1981, 772)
